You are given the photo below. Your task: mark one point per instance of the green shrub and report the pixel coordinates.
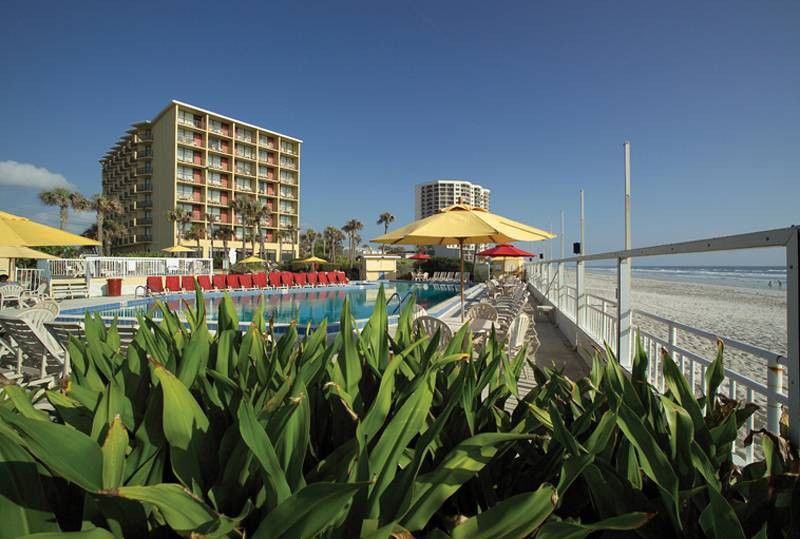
(368, 434)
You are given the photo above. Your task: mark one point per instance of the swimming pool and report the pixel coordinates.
(302, 304)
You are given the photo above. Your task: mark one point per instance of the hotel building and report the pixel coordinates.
(200, 162)
(432, 196)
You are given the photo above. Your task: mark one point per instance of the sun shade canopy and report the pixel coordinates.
(177, 249)
(504, 250)
(419, 256)
(313, 260)
(21, 231)
(17, 251)
(463, 224)
(252, 260)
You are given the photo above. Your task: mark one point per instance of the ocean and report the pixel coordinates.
(742, 276)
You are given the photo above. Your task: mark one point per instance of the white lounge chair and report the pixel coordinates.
(10, 293)
(29, 298)
(30, 340)
(429, 325)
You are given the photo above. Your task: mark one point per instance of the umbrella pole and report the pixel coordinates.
(461, 250)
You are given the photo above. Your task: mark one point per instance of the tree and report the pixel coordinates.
(112, 231)
(225, 234)
(105, 207)
(212, 219)
(264, 218)
(351, 228)
(196, 233)
(181, 218)
(63, 199)
(248, 209)
(307, 241)
(291, 233)
(385, 219)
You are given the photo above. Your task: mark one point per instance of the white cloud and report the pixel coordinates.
(27, 175)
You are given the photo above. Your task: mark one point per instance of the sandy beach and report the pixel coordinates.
(751, 315)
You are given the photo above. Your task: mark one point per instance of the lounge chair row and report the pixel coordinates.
(245, 281)
(448, 277)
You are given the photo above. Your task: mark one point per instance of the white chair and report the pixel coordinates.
(32, 297)
(9, 293)
(430, 325)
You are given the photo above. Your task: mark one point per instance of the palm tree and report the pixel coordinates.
(63, 198)
(307, 241)
(248, 209)
(224, 233)
(196, 233)
(105, 207)
(291, 233)
(264, 217)
(181, 218)
(351, 228)
(212, 220)
(385, 219)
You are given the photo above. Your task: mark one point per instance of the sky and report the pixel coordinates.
(531, 99)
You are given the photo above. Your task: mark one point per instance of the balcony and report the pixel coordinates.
(191, 122)
(219, 148)
(185, 198)
(144, 221)
(196, 181)
(245, 171)
(219, 166)
(289, 164)
(142, 171)
(145, 136)
(142, 187)
(190, 141)
(246, 188)
(244, 136)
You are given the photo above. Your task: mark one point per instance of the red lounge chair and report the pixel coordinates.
(246, 280)
(332, 277)
(300, 279)
(155, 285)
(219, 282)
(232, 281)
(312, 278)
(187, 283)
(341, 278)
(275, 279)
(173, 283)
(205, 282)
(323, 278)
(287, 279)
(260, 280)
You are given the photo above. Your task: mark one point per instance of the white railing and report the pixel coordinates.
(30, 278)
(693, 349)
(112, 266)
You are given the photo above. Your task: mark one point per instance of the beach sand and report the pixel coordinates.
(750, 315)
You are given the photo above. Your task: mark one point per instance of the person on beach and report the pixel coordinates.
(769, 284)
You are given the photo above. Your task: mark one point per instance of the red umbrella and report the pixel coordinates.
(504, 250)
(419, 256)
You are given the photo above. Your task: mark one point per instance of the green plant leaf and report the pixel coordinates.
(182, 416)
(94, 533)
(573, 530)
(460, 465)
(181, 510)
(113, 450)
(22, 402)
(514, 517)
(259, 443)
(718, 520)
(308, 512)
(68, 452)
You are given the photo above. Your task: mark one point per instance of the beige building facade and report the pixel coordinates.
(200, 162)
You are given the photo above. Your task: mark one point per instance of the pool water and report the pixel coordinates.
(304, 305)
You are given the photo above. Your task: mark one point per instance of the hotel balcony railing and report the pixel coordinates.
(189, 161)
(145, 135)
(288, 150)
(246, 156)
(219, 148)
(292, 166)
(143, 170)
(219, 166)
(288, 195)
(220, 131)
(193, 123)
(245, 171)
(146, 186)
(244, 138)
(144, 221)
(247, 188)
(219, 184)
(190, 140)
(187, 198)
(144, 237)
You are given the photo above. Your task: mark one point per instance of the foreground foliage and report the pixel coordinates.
(372, 435)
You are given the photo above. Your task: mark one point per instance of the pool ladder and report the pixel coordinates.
(400, 300)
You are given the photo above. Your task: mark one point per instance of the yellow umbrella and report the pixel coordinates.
(16, 230)
(18, 251)
(313, 260)
(252, 260)
(177, 249)
(463, 224)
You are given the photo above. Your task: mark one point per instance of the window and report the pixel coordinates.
(185, 193)
(239, 232)
(285, 221)
(185, 207)
(244, 168)
(244, 184)
(213, 210)
(266, 140)
(288, 176)
(287, 162)
(216, 178)
(188, 118)
(185, 173)
(186, 155)
(287, 147)
(244, 134)
(214, 195)
(216, 126)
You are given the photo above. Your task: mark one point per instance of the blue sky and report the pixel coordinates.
(531, 99)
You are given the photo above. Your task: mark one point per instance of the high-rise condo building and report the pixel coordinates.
(200, 163)
(432, 196)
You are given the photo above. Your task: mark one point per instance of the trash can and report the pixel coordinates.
(114, 287)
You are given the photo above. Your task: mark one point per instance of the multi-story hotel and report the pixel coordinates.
(438, 194)
(200, 162)
(432, 196)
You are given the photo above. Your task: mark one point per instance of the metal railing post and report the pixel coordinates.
(624, 313)
(774, 387)
(793, 332)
